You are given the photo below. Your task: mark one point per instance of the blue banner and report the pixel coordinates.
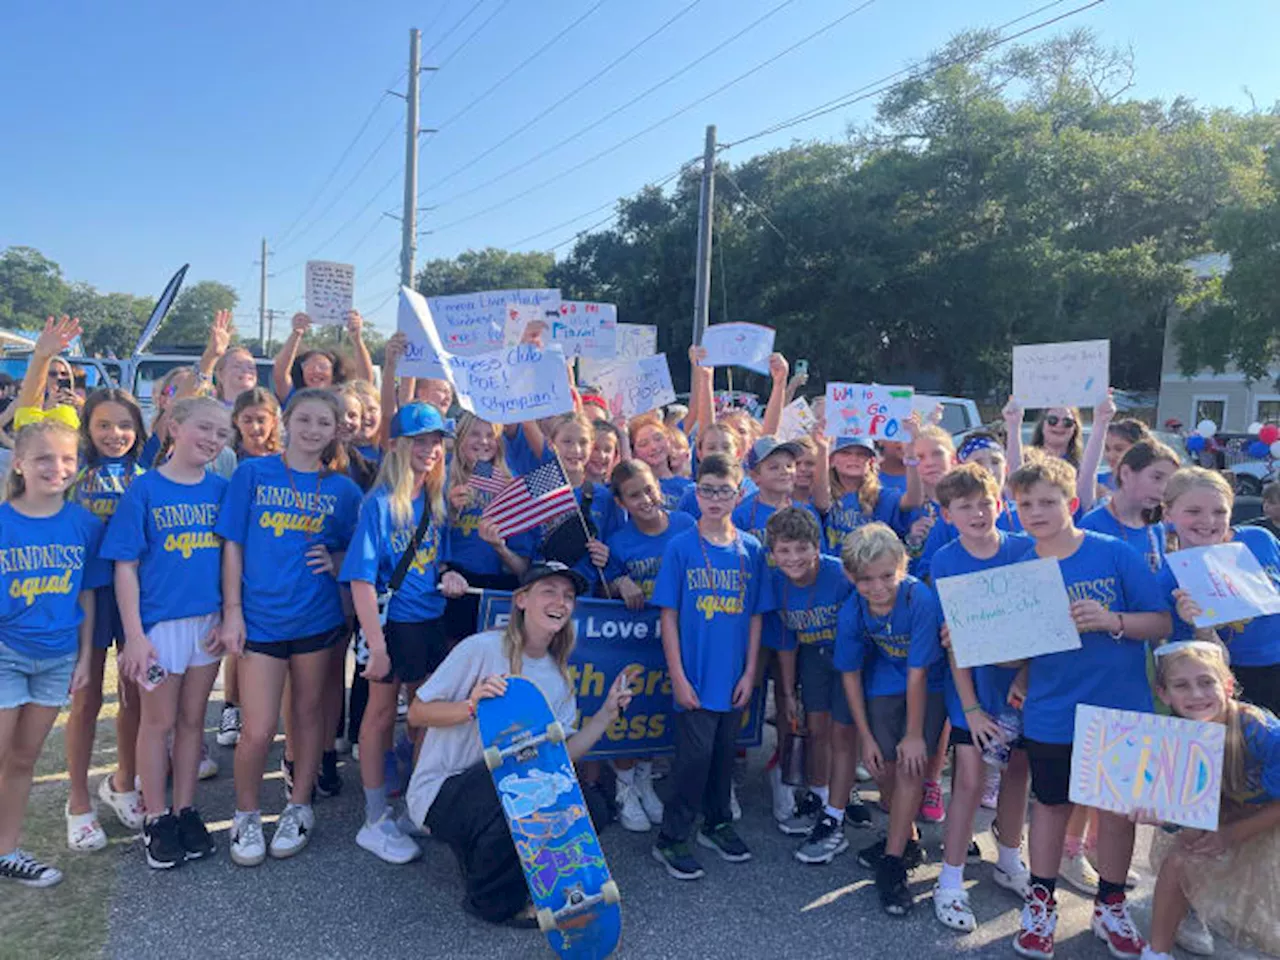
(612, 638)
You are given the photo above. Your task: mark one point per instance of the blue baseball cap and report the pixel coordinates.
(854, 443)
(415, 419)
(766, 447)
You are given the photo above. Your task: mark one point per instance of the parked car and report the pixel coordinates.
(141, 373)
(96, 373)
(959, 414)
(1250, 476)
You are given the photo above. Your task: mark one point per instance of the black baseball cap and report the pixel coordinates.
(554, 568)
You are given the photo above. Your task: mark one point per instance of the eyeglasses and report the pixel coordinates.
(1054, 421)
(717, 493)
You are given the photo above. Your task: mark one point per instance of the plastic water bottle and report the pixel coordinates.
(997, 752)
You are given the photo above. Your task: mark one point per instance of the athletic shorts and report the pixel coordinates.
(181, 643)
(821, 684)
(888, 719)
(284, 649)
(107, 628)
(43, 682)
(416, 649)
(1050, 771)
(961, 737)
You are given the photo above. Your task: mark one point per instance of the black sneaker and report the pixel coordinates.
(678, 859)
(871, 856)
(724, 840)
(914, 855)
(329, 783)
(857, 814)
(163, 843)
(195, 839)
(25, 869)
(891, 885)
(974, 853)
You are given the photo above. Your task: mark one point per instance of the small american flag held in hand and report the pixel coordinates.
(531, 499)
(483, 479)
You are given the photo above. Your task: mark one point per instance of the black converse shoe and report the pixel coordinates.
(195, 839)
(163, 842)
(25, 869)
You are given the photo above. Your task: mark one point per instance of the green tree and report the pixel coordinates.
(31, 288)
(112, 322)
(187, 326)
(488, 269)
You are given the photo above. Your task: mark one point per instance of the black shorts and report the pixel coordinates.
(1050, 771)
(887, 717)
(461, 614)
(961, 737)
(284, 649)
(416, 649)
(1260, 686)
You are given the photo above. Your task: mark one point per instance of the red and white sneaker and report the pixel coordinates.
(1114, 927)
(1039, 920)
(931, 808)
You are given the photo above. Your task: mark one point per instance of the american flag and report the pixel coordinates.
(531, 499)
(483, 479)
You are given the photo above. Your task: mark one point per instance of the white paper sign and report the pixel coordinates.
(1227, 581)
(472, 323)
(586, 329)
(1008, 613)
(514, 384)
(738, 345)
(330, 292)
(633, 387)
(867, 410)
(424, 355)
(1075, 374)
(635, 340)
(798, 420)
(518, 318)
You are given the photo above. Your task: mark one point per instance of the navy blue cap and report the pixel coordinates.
(554, 568)
(415, 419)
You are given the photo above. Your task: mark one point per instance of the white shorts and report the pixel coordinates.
(181, 643)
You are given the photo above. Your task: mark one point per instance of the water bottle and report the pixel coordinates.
(996, 753)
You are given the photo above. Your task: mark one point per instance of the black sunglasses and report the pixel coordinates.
(1053, 421)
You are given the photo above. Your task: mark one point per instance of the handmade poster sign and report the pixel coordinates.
(633, 387)
(867, 410)
(586, 329)
(1008, 613)
(472, 323)
(330, 292)
(1227, 581)
(518, 318)
(738, 345)
(514, 384)
(634, 340)
(798, 420)
(1124, 761)
(1075, 374)
(424, 355)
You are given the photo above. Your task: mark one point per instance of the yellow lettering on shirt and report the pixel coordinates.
(29, 588)
(188, 543)
(279, 521)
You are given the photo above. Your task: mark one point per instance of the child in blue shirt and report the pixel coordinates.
(858, 496)
(168, 567)
(970, 499)
(1117, 605)
(713, 589)
(810, 589)
(286, 522)
(887, 647)
(49, 568)
(651, 443)
(411, 644)
(564, 539)
(1140, 480)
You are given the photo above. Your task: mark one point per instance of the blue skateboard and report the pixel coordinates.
(569, 881)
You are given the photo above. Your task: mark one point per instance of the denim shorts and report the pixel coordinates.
(25, 680)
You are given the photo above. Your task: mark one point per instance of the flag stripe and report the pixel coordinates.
(531, 499)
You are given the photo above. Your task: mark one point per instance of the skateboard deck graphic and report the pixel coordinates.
(569, 880)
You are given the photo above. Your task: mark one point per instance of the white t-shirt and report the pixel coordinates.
(450, 750)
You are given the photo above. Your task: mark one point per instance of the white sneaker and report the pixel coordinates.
(951, 907)
(1018, 881)
(84, 832)
(248, 849)
(127, 807)
(1079, 872)
(293, 831)
(784, 797)
(384, 840)
(1193, 936)
(735, 808)
(649, 798)
(229, 727)
(208, 765)
(630, 812)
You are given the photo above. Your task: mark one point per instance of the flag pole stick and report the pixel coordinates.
(577, 508)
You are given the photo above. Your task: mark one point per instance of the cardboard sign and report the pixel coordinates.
(798, 420)
(633, 387)
(612, 638)
(472, 323)
(1075, 374)
(1008, 613)
(1227, 581)
(1125, 761)
(867, 410)
(331, 291)
(586, 329)
(738, 345)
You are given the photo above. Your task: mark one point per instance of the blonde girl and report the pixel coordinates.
(857, 497)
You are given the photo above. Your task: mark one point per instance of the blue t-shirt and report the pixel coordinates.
(752, 514)
(1102, 672)
(603, 513)
(45, 562)
(809, 614)
(638, 555)
(371, 452)
(150, 450)
(885, 648)
(943, 533)
(276, 514)
(99, 488)
(715, 590)
(673, 489)
(520, 456)
(375, 551)
(1262, 759)
(991, 683)
(895, 483)
(846, 515)
(1251, 643)
(1148, 541)
(689, 499)
(167, 527)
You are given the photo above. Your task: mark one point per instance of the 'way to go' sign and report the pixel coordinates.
(867, 410)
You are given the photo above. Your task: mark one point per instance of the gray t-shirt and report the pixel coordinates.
(450, 750)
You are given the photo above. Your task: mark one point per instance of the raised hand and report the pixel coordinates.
(57, 335)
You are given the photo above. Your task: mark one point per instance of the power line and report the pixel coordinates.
(759, 210)
(395, 175)
(448, 33)
(568, 96)
(472, 35)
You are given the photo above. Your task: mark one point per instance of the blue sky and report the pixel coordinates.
(142, 135)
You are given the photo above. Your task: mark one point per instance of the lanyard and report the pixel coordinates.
(297, 497)
(742, 568)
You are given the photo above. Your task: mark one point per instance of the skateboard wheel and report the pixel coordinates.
(555, 732)
(609, 890)
(546, 920)
(492, 758)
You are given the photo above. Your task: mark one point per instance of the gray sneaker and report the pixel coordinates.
(806, 816)
(825, 842)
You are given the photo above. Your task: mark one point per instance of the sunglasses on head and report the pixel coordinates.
(1054, 420)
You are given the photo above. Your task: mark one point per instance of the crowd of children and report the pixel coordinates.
(263, 532)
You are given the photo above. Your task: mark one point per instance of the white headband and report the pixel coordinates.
(1205, 645)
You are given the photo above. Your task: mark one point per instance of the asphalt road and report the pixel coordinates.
(336, 900)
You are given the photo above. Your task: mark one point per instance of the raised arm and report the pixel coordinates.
(215, 347)
(779, 369)
(362, 366)
(390, 399)
(55, 338)
(1087, 478)
(1012, 414)
(701, 397)
(281, 377)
